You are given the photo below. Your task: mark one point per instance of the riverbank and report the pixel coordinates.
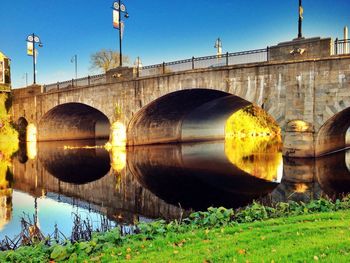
(319, 231)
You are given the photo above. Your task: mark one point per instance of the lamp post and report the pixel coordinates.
(300, 21)
(32, 39)
(218, 46)
(74, 60)
(118, 9)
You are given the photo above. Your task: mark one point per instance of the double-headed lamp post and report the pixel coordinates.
(33, 39)
(118, 9)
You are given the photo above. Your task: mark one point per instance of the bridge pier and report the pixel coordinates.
(299, 144)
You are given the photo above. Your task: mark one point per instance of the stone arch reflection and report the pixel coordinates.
(333, 173)
(76, 162)
(195, 175)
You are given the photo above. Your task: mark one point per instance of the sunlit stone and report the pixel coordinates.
(32, 150)
(301, 188)
(118, 134)
(31, 133)
(118, 160)
(299, 126)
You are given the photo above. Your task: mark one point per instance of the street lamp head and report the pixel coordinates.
(126, 15)
(41, 44)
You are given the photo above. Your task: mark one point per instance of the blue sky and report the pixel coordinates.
(156, 31)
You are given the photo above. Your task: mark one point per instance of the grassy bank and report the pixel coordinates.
(294, 233)
(318, 237)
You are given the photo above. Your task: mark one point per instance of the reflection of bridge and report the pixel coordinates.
(85, 175)
(194, 175)
(303, 84)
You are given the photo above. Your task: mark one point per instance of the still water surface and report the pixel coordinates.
(54, 180)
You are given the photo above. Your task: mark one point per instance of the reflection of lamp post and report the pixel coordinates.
(118, 9)
(31, 51)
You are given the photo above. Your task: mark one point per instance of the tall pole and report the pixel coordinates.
(300, 33)
(76, 66)
(34, 53)
(120, 37)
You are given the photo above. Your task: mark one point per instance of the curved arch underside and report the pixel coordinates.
(73, 121)
(184, 116)
(332, 135)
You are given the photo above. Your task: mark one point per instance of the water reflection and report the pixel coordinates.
(197, 175)
(259, 156)
(333, 174)
(76, 162)
(152, 181)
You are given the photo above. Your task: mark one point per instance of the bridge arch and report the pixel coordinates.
(73, 121)
(184, 116)
(332, 134)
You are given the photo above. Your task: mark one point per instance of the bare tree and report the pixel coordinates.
(106, 59)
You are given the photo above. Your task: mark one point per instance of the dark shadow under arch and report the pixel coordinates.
(332, 135)
(179, 116)
(73, 121)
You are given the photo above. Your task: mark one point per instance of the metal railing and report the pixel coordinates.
(227, 59)
(81, 82)
(341, 46)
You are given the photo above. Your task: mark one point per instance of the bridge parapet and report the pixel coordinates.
(300, 49)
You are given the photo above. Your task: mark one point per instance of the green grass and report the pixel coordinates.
(321, 237)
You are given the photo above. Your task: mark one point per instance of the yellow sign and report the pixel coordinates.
(30, 48)
(115, 19)
(301, 12)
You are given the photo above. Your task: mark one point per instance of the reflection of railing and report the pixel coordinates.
(251, 56)
(341, 46)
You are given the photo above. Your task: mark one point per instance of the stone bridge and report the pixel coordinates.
(302, 85)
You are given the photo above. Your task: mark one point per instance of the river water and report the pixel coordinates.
(52, 181)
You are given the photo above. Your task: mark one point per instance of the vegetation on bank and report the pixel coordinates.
(8, 135)
(8, 146)
(285, 232)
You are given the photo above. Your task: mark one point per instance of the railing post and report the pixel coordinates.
(226, 58)
(58, 85)
(88, 80)
(72, 82)
(163, 67)
(267, 53)
(336, 47)
(192, 62)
